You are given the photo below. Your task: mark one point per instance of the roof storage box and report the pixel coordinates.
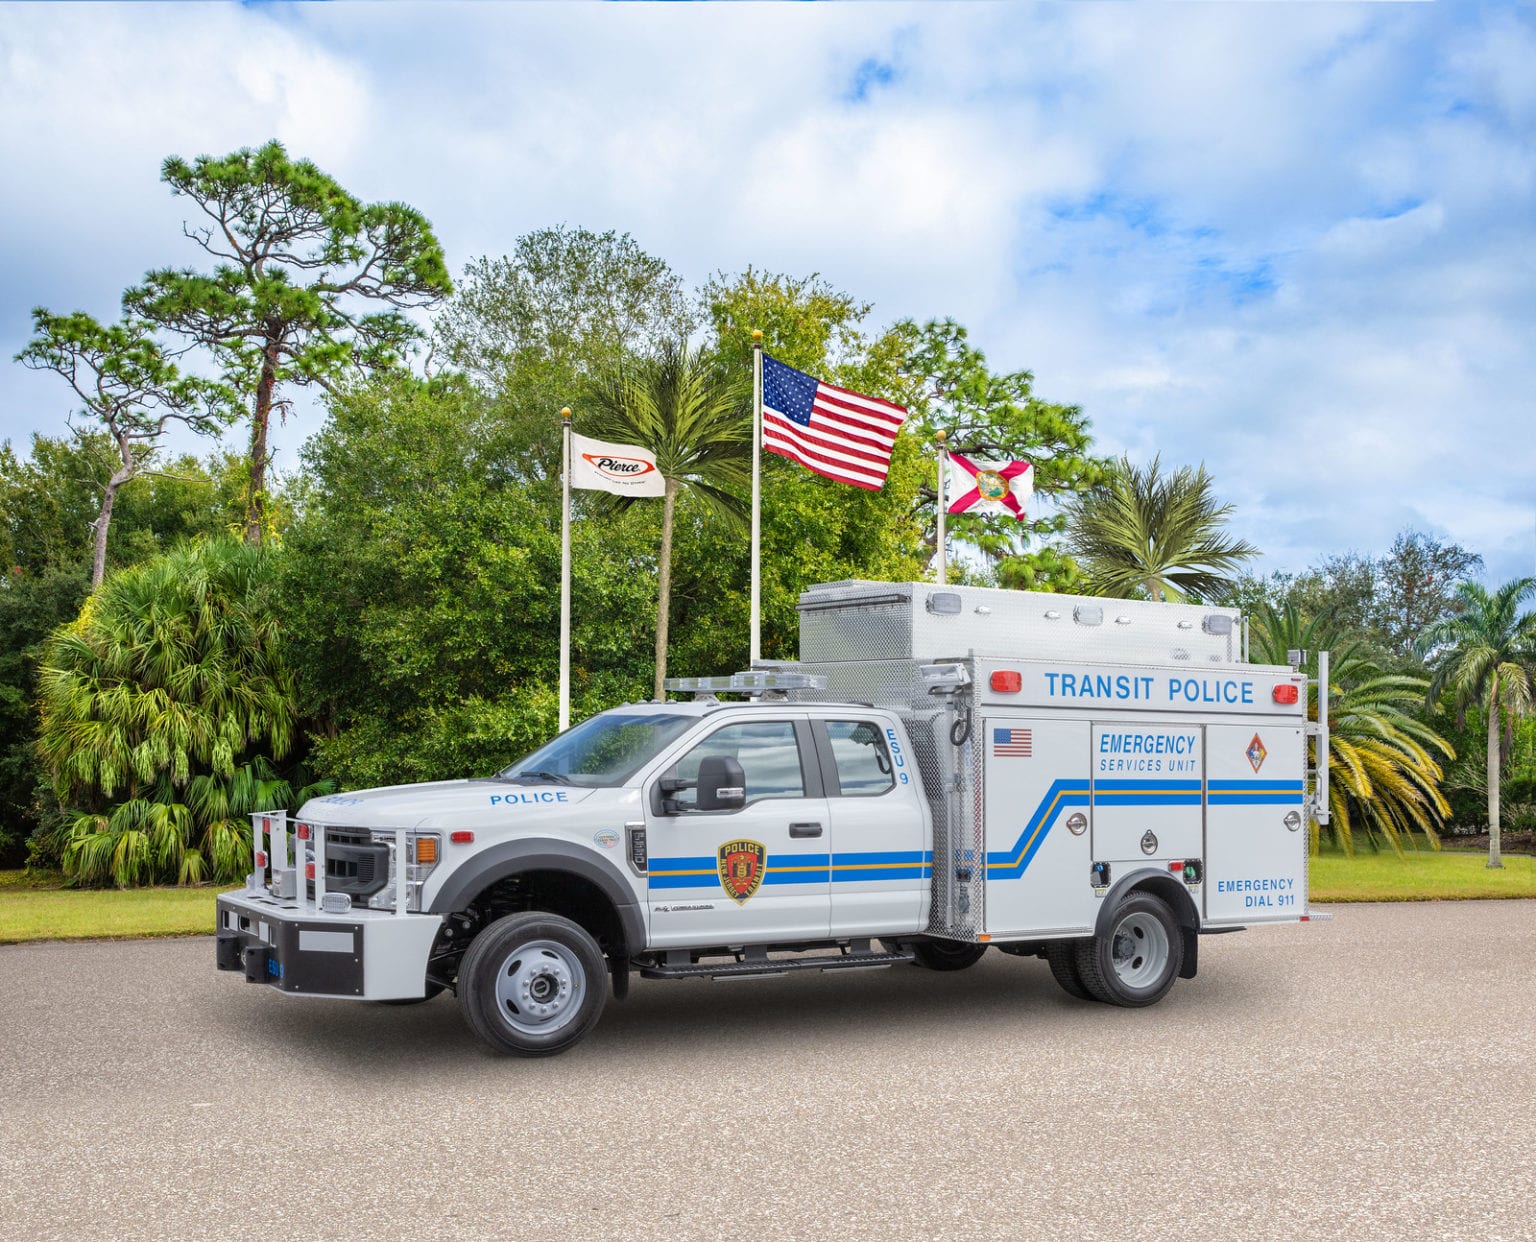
(856, 620)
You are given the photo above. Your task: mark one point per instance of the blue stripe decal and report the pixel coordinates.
(1011, 863)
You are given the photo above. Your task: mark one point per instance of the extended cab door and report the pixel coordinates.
(879, 864)
(757, 874)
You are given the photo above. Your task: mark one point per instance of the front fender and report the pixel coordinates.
(509, 858)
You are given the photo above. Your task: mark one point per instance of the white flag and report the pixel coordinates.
(623, 469)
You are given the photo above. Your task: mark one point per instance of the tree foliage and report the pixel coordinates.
(1384, 763)
(299, 261)
(125, 382)
(165, 710)
(697, 422)
(995, 416)
(421, 589)
(1485, 656)
(1144, 533)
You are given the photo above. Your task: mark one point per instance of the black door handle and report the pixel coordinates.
(805, 830)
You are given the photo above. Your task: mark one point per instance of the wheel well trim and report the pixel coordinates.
(510, 858)
(1160, 884)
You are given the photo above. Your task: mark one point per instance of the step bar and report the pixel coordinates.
(759, 965)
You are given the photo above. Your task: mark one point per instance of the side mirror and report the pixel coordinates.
(722, 784)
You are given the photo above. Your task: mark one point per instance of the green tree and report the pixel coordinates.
(1146, 533)
(165, 710)
(995, 416)
(420, 582)
(1485, 656)
(696, 420)
(1383, 772)
(299, 262)
(32, 606)
(127, 384)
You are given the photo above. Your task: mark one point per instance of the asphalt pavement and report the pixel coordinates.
(1370, 1077)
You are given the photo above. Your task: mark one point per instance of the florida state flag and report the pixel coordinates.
(990, 487)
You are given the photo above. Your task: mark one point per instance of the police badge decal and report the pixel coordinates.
(742, 864)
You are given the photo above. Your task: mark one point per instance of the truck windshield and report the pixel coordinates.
(605, 750)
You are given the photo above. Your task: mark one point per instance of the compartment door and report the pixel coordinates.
(1038, 864)
(1148, 782)
(1256, 846)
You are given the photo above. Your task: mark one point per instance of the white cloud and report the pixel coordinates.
(1292, 241)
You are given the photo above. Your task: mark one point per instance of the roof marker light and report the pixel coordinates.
(1006, 681)
(1285, 694)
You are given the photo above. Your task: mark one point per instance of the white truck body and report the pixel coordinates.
(1053, 775)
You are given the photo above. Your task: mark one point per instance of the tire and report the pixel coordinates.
(433, 990)
(946, 954)
(1136, 960)
(533, 984)
(1062, 958)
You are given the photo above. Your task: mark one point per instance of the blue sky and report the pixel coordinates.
(1294, 242)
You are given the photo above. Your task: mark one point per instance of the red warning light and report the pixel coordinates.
(1286, 694)
(1004, 681)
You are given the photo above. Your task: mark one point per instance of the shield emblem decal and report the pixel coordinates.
(742, 864)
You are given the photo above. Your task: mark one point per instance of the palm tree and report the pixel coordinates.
(1145, 531)
(163, 708)
(1383, 773)
(1486, 655)
(695, 419)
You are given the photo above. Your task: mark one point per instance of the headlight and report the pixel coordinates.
(422, 849)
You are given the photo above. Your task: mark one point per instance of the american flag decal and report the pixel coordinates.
(1015, 742)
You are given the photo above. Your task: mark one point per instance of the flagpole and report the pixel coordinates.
(756, 649)
(943, 455)
(565, 569)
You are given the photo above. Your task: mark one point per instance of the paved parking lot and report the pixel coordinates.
(1369, 1077)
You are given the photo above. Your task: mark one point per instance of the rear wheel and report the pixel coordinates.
(947, 954)
(1135, 961)
(1062, 958)
(533, 984)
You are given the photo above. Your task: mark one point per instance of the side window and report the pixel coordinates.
(767, 752)
(863, 762)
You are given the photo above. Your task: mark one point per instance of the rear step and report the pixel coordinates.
(765, 966)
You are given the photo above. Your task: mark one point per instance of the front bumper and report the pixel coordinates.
(359, 955)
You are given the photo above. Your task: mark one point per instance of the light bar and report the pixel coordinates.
(745, 683)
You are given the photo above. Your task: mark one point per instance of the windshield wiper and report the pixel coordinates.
(539, 778)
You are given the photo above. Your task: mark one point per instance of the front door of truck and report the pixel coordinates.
(757, 874)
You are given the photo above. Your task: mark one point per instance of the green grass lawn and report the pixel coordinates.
(1422, 875)
(38, 907)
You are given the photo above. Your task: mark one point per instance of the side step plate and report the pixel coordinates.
(774, 966)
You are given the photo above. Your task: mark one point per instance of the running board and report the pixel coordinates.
(764, 966)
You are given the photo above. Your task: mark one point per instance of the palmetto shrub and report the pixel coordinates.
(1384, 764)
(165, 710)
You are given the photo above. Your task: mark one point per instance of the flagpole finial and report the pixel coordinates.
(940, 436)
(566, 413)
(757, 336)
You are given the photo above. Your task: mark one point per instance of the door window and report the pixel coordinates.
(863, 762)
(767, 752)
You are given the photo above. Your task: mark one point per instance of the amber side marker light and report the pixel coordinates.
(426, 850)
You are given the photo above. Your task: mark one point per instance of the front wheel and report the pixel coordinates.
(1135, 961)
(533, 984)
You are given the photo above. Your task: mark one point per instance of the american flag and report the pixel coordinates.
(1012, 742)
(841, 434)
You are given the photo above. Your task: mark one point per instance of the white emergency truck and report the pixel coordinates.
(1093, 782)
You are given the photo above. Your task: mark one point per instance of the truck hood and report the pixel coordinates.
(442, 803)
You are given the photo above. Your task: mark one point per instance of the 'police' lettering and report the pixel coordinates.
(542, 795)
